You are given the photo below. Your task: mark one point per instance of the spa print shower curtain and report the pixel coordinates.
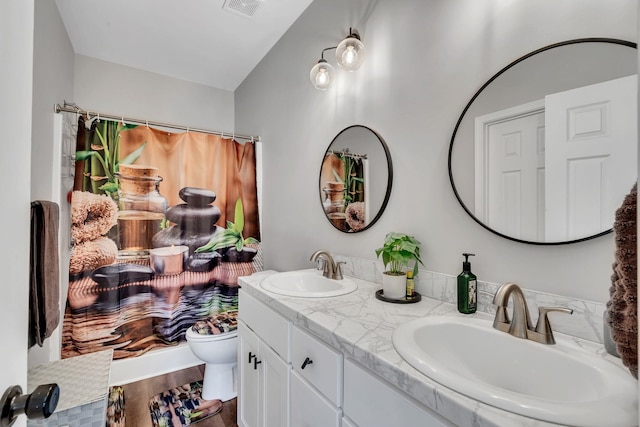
(163, 224)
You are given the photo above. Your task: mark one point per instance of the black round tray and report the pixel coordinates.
(406, 300)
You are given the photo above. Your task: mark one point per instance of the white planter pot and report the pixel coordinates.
(394, 287)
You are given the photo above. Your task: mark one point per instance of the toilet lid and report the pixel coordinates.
(225, 323)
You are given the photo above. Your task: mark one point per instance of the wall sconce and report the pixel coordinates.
(349, 56)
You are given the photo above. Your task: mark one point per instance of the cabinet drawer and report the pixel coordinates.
(309, 408)
(272, 328)
(323, 367)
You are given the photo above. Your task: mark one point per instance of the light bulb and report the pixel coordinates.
(322, 75)
(350, 53)
(349, 56)
(322, 78)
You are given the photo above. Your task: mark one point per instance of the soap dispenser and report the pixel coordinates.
(467, 288)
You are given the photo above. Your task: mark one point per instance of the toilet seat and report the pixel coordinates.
(194, 336)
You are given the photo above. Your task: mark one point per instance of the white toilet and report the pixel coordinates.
(219, 352)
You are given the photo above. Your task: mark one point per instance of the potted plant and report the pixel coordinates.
(398, 250)
(230, 242)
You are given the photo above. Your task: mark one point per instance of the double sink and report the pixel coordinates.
(559, 383)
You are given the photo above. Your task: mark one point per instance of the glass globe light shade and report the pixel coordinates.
(350, 53)
(322, 75)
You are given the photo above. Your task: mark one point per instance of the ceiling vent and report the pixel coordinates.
(246, 8)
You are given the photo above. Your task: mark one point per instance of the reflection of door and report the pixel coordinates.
(510, 171)
(591, 156)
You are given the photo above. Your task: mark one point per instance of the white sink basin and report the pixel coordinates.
(307, 284)
(558, 383)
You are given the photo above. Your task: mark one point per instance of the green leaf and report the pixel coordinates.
(225, 239)
(399, 250)
(251, 241)
(109, 187)
(239, 216)
(85, 154)
(133, 156)
(336, 175)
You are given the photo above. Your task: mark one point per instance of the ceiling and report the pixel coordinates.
(212, 42)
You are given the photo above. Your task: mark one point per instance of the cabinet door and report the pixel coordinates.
(309, 408)
(276, 388)
(371, 402)
(250, 381)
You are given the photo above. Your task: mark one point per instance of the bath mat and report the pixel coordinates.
(182, 406)
(115, 407)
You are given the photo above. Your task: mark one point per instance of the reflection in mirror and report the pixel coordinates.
(546, 150)
(355, 179)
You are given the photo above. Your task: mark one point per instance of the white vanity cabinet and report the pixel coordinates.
(371, 402)
(263, 365)
(289, 378)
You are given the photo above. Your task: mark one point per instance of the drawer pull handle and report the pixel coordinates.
(256, 362)
(251, 356)
(306, 362)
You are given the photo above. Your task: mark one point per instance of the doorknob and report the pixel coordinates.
(39, 404)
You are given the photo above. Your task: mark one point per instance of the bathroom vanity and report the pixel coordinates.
(331, 362)
(288, 377)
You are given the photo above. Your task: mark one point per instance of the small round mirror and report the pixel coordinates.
(355, 179)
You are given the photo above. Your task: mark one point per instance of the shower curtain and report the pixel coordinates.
(163, 225)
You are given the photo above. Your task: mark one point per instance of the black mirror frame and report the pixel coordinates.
(389, 179)
(473, 98)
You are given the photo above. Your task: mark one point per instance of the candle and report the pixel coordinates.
(168, 260)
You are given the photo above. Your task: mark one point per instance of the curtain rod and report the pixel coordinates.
(73, 108)
(347, 153)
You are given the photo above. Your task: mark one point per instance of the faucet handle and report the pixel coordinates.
(338, 273)
(543, 327)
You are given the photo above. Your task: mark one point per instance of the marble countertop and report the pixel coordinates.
(360, 326)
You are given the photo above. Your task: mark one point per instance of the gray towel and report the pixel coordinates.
(44, 272)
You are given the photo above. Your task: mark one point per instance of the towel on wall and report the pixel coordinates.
(623, 304)
(44, 272)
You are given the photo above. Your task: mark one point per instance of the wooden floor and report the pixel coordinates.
(137, 397)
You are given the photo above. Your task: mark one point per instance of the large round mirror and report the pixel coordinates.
(546, 150)
(355, 179)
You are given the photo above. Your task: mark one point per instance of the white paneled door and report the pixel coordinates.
(591, 156)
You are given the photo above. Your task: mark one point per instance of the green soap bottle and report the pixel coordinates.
(467, 288)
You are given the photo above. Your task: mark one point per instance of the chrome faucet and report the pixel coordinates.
(520, 326)
(330, 268)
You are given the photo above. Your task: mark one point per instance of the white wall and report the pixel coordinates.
(52, 83)
(111, 88)
(16, 64)
(425, 59)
